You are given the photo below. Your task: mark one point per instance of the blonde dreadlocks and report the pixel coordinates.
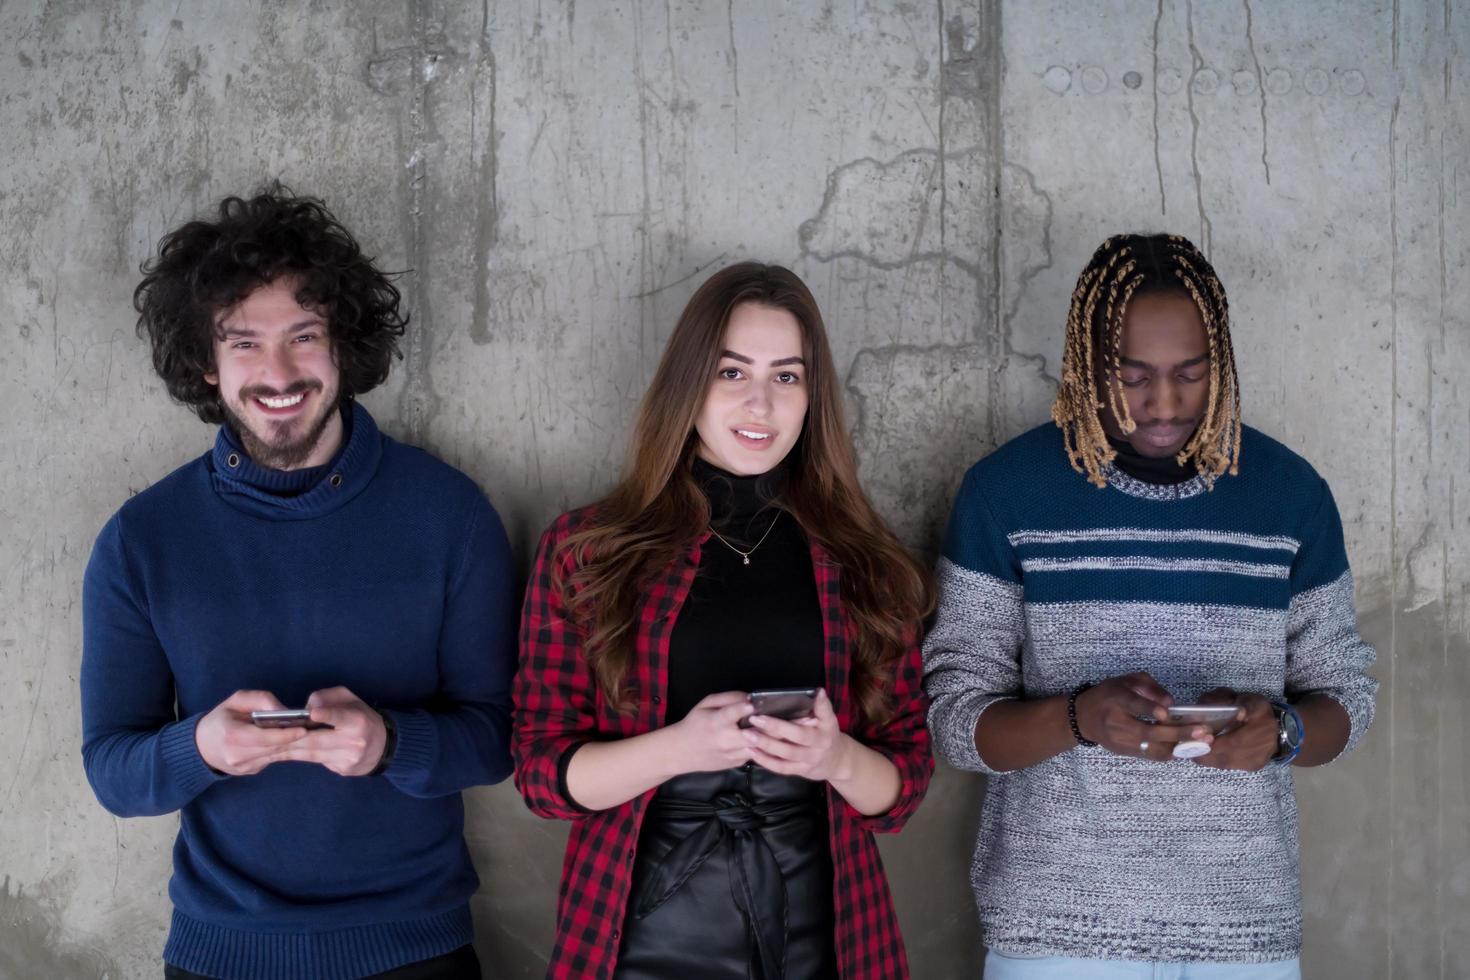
(1121, 267)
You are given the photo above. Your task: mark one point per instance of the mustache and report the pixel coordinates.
(265, 391)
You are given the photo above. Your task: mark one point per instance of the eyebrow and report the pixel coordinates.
(1145, 366)
(781, 362)
(226, 332)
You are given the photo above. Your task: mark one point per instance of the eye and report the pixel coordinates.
(1190, 379)
(305, 338)
(788, 378)
(1138, 382)
(730, 373)
(242, 345)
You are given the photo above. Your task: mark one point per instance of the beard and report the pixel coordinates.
(283, 446)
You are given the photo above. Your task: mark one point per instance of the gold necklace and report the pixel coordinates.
(745, 555)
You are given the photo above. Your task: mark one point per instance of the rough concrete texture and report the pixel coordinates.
(559, 176)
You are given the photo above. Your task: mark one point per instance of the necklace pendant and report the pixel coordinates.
(746, 561)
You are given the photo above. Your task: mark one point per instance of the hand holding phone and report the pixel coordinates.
(286, 718)
(1215, 717)
(811, 745)
(788, 704)
(231, 743)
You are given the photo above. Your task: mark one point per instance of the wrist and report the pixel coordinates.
(844, 762)
(670, 752)
(1290, 733)
(1073, 724)
(390, 744)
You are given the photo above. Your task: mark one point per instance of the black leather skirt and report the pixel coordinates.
(732, 881)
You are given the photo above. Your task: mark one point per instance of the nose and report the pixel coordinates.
(277, 367)
(1163, 399)
(758, 401)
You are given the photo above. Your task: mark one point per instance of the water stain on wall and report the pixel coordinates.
(32, 943)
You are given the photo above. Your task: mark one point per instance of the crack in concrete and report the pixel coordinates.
(417, 62)
(1250, 40)
(939, 136)
(487, 205)
(734, 68)
(1198, 62)
(1158, 161)
(682, 279)
(1023, 282)
(810, 228)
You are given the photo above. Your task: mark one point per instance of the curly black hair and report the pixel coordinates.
(206, 267)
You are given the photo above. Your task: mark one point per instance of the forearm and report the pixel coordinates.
(446, 751)
(1326, 727)
(1011, 735)
(602, 775)
(867, 780)
(144, 774)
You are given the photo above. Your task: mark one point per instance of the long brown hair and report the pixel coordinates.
(1125, 266)
(658, 510)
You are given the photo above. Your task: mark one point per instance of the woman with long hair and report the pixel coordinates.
(737, 554)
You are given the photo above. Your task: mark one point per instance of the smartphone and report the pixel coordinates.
(788, 703)
(1215, 717)
(286, 718)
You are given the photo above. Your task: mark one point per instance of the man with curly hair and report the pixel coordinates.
(307, 561)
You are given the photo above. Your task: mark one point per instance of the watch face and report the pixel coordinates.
(1291, 729)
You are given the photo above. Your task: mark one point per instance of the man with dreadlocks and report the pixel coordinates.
(1145, 551)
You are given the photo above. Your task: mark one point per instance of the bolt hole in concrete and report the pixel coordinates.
(1094, 80)
(1315, 81)
(1057, 78)
(1278, 81)
(1206, 81)
(1132, 79)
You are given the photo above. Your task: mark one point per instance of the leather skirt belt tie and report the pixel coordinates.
(746, 841)
(755, 877)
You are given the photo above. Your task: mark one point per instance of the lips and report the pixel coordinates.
(1164, 436)
(754, 437)
(280, 404)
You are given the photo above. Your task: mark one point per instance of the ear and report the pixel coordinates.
(212, 377)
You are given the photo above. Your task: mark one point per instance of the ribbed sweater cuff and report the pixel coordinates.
(338, 954)
(181, 755)
(418, 741)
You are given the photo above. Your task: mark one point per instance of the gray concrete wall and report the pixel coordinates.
(560, 176)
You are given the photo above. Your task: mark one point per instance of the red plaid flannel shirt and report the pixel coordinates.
(559, 707)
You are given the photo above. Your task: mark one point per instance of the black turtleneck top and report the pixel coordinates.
(1150, 469)
(746, 627)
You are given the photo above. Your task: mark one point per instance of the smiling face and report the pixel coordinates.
(756, 403)
(1165, 374)
(276, 377)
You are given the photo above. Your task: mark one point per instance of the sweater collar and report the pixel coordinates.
(1161, 470)
(735, 500)
(298, 494)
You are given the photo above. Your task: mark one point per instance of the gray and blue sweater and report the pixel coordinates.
(1047, 582)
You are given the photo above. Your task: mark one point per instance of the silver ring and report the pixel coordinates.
(1143, 747)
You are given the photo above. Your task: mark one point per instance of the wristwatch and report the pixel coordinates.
(1289, 733)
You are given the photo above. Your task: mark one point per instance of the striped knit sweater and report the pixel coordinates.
(1047, 582)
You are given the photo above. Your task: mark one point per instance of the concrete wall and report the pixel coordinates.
(559, 177)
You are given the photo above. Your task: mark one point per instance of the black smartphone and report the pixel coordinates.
(788, 703)
(286, 718)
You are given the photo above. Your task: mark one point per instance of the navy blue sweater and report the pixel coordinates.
(390, 574)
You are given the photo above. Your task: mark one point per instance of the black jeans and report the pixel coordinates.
(462, 964)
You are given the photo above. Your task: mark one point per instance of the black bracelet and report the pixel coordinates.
(1072, 716)
(390, 744)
